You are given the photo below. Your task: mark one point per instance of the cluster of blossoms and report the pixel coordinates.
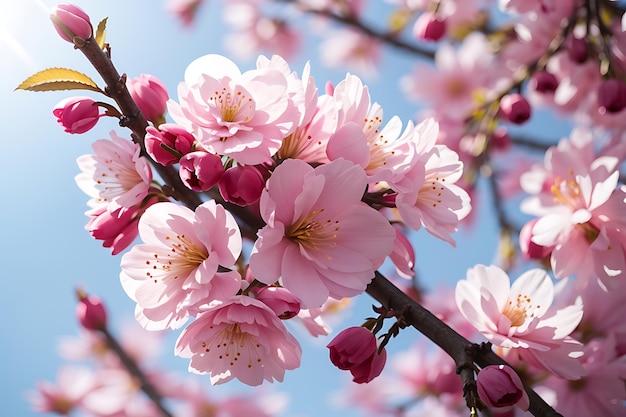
(315, 170)
(305, 194)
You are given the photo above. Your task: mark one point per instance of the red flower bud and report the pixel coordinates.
(544, 82)
(200, 170)
(77, 114)
(150, 95)
(499, 386)
(242, 185)
(515, 108)
(175, 137)
(611, 96)
(71, 21)
(354, 349)
(91, 312)
(429, 27)
(280, 300)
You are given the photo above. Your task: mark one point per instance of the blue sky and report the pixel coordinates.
(46, 253)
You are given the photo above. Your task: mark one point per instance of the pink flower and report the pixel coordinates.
(239, 338)
(116, 226)
(200, 170)
(320, 239)
(72, 385)
(181, 263)
(356, 51)
(427, 193)
(601, 392)
(71, 21)
(91, 312)
(175, 137)
(519, 317)
(115, 173)
(581, 211)
(77, 114)
(185, 10)
(242, 184)
(355, 349)
(241, 115)
(500, 386)
(150, 95)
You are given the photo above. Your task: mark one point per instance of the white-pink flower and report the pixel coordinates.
(519, 317)
(183, 263)
(241, 115)
(320, 239)
(581, 211)
(427, 193)
(239, 338)
(115, 174)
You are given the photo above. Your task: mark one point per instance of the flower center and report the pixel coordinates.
(232, 345)
(567, 192)
(311, 233)
(185, 256)
(234, 106)
(520, 309)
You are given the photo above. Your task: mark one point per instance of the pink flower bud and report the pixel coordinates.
(242, 185)
(544, 82)
(77, 114)
(71, 21)
(90, 312)
(354, 349)
(500, 140)
(577, 50)
(280, 300)
(117, 227)
(200, 170)
(499, 386)
(429, 27)
(150, 95)
(171, 135)
(531, 250)
(515, 108)
(611, 96)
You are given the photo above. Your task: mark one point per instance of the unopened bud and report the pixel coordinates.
(71, 22)
(515, 108)
(90, 311)
(500, 386)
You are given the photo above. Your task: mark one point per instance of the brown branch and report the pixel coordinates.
(389, 38)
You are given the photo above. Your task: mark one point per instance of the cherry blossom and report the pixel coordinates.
(519, 317)
(241, 115)
(115, 173)
(183, 263)
(239, 338)
(576, 196)
(320, 239)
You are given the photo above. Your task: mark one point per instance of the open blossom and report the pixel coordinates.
(239, 338)
(385, 153)
(581, 211)
(115, 173)
(519, 317)
(427, 194)
(241, 115)
(67, 394)
(181, 263)
(320, 239)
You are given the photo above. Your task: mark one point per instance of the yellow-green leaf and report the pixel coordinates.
(54, 79)
(101, 31)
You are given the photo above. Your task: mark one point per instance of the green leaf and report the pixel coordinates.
(54, 79)
(101, 31)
